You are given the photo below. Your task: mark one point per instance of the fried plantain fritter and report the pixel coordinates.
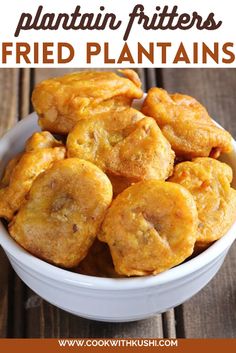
(186, 124)
(39, 140)
(64, 210)
(22, 170)
(125, 144)
(62, 101)
(208, 180)
(150, 227)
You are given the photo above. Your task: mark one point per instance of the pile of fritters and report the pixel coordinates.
(130, 193)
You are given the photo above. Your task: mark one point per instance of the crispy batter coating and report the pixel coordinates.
(186, 125)
(41, 150)
(41, 140)
(62, 101)
(150, 227)
(125, 144)
(64, 210)
(8, 171)
(37, 141)
(25, 171)
(208, 180)
(98, 262)
(132, 76)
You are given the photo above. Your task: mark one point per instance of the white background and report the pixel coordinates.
(10, 11)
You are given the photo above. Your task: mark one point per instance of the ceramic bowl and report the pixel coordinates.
(104, 299)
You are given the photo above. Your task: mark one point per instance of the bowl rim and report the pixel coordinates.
(49, 271)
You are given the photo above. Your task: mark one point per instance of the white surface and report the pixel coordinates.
(224, 12)
(103, 298)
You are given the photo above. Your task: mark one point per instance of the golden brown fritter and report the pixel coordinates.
(186, 125)
(64, 210)
(125, 144)
(20, 172)
(62, 101)
(150, 227)
(39, 140)
(208, 180)
(23, 172)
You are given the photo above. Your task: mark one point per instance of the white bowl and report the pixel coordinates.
(104, 299)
